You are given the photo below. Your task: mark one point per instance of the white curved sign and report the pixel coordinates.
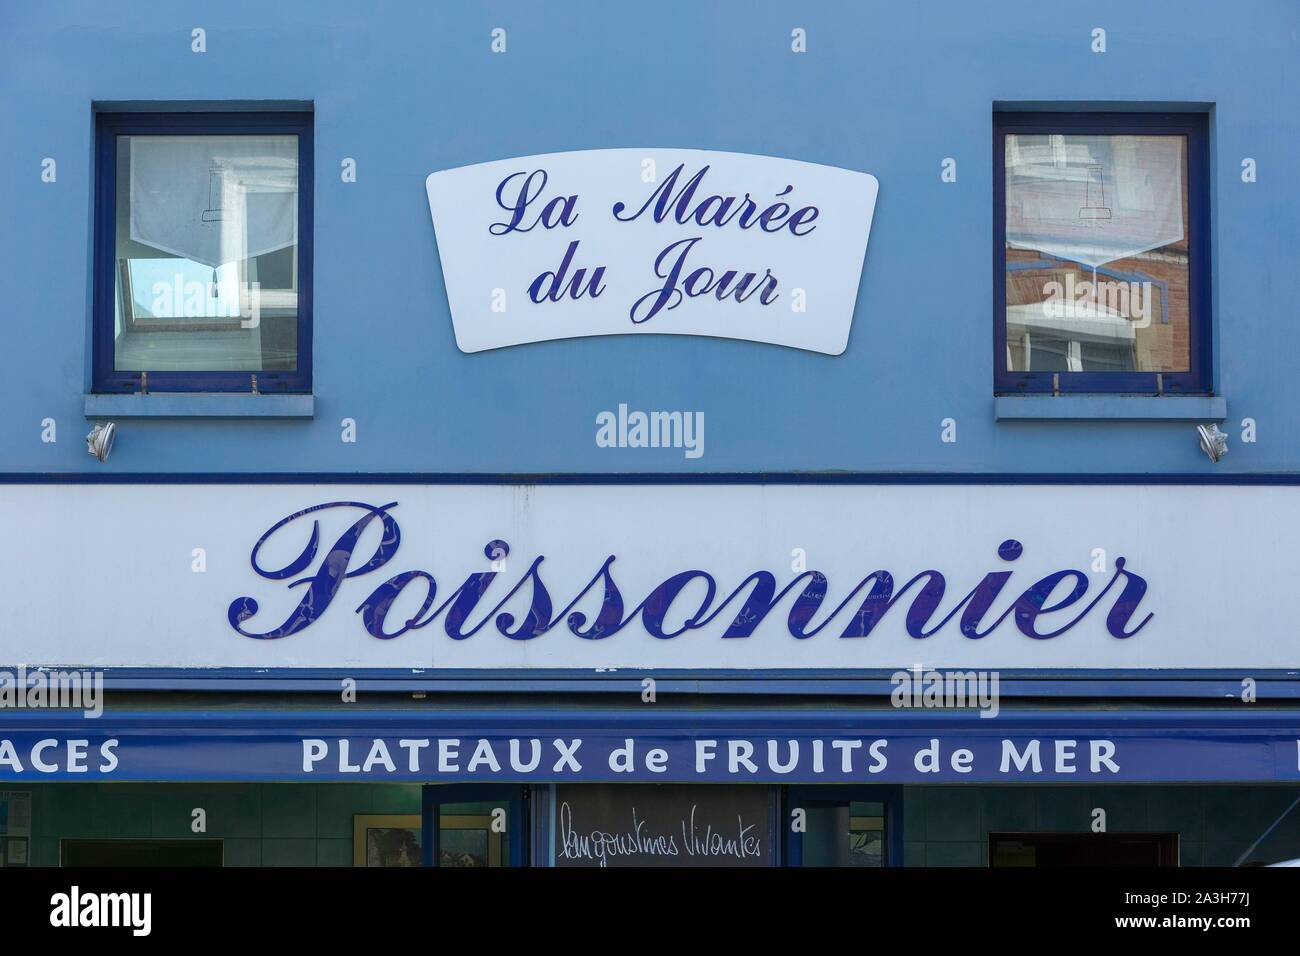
(643, 241)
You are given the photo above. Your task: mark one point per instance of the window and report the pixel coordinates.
(203, 252)
(1101, 253)
(474, 825)
(845, 826)
(664, 825)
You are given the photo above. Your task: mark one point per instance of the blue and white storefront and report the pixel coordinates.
(487, 488)
(504, 639)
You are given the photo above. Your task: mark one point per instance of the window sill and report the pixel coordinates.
(1134, 408)
(199, 405)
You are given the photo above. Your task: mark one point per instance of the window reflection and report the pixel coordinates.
(847, 834)
(207, 253)
(472, 834)
(1096, 253)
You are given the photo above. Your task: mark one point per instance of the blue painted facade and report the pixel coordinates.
(886, 88)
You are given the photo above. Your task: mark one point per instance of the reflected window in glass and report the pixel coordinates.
(851, 833)
(472, 835)
(1102, 249)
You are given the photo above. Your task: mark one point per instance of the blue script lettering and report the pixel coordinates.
(560, 211)
(551, 285)
(324, 584)
(760, 590)
(719, 211)
(671, 263)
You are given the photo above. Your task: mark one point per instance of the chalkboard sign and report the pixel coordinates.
(647, 825)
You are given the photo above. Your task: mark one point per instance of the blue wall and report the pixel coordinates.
(886, 87)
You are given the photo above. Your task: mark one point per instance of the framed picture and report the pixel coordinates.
(14, 851)
(386, 839)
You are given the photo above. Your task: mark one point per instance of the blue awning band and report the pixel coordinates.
(655, 744)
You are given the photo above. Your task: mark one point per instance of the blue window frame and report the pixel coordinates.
(844, 825)
(461, 825)
(203, 252)
(1101, 253)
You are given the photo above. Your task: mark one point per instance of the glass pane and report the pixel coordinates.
(846, 834)
(207, 253)
(473, 834)
(1097, 253)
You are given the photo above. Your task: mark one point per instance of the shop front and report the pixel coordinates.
(756, 674)
(565, 435)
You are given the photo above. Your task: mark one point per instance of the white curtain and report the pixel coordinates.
(1094, 199)
(214, 199)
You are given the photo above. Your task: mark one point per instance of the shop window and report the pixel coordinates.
(844, 826)
(1101, 246)
(203, 252)
(664, 825)
(473, 826)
